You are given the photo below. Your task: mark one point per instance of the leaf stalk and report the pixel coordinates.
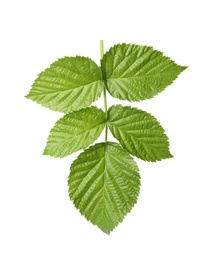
(104, 91)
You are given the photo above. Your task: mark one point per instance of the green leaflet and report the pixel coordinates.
(75, 131)
(139, 133)
(104, 184)
(70, 83)
(135, 72)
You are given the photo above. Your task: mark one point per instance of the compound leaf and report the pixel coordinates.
(70, 83)
(139, 133)
(104, 184)
(75, 131)
(135, 72)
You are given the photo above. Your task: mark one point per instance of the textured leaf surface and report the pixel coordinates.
(104, 184)
(75, 131)
(70, 83)
(139, 133)
(135, 72)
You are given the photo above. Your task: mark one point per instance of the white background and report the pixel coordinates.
(177, 215)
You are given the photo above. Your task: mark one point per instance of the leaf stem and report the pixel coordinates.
(101, 49)
(104, 91)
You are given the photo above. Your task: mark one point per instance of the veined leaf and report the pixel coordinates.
(139, 133)
(75, 131)
(135, 72)
(70, 83)
(104, 184)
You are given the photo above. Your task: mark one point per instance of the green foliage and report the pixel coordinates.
(139, 133)
(75, 131)
(104, 181)
(70, 83)
(104, 184)
(136, 72)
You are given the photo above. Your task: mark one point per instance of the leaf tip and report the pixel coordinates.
(171, 156)
(106, 229)
(184, 68)
(27, 96)
(107, 232)
(45, 152)
(30, 96)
